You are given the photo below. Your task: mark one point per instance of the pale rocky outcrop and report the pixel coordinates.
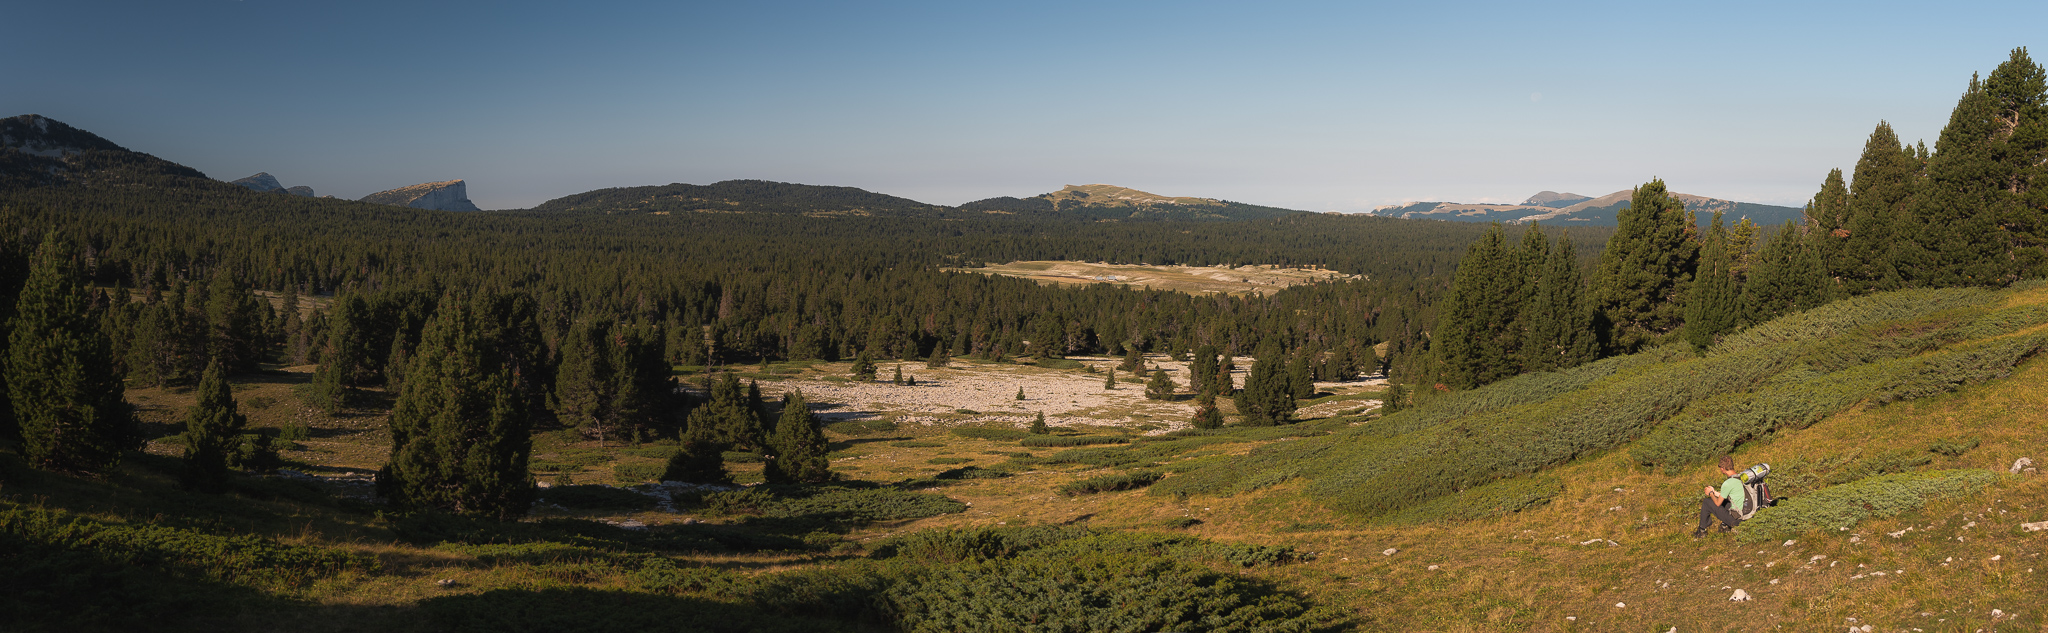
(452, 195)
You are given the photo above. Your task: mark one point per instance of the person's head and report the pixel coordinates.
(1728, 465)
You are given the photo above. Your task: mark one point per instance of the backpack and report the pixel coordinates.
(1756, 495)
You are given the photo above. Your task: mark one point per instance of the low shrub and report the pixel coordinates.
(238, 558)
(1848, 504)
(742, 457)
(662, 575)
(1103, 457)
(1058, 363)
(916, 445)
(1042, 441)
(1955, 447)
(1111, 483)
(988, 433)
(972, 472)
(948, 461)
(596, 498)
(1493, 500)
(637, 473)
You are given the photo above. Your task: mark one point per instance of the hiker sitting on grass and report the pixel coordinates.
(1721, 504)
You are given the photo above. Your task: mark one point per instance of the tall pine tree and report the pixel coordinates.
(799, 448)
(1713, 308)
(459, 438)
(1646, 271)
(67, 400)
(1560, 320)
(213, 430)
(1268, 398)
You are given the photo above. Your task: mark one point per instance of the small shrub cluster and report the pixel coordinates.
(1042, 441)
(827, 507)
(1111, 483)
(948, 461)
(637, 473)
(240, 559)
(1955, 447)
(916, 445)
(987, 433)
(972, 472)
(1848, 504)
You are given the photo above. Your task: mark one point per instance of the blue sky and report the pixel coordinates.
(1339, 106)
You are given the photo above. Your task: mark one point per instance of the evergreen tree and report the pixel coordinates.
(213, 429)
(1268, 398)
(1476, 331)
(1963, 197)
(1160, 387)
(863, 367)
(1789, 276)
(1646, 271)
(233, 324)
(898, 378)
(343, 359)
(1133, 361)
(1394, 400)
(1020, 393)
(701, 460)
(1202, 368)
(292, 328)
(1301, 379)
(1559, 319)
(1038, 425)
(1207, 416)
(155, 349)
(729, 419)
(584, 381)
(66, 399)
(799, 446)
(1225, 382)
(939, 358)
(1827, 226)
(459, 439)
(1712, 309)
(1878, 214)
(1108, 381)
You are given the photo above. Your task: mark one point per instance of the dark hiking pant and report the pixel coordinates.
(1710, 511)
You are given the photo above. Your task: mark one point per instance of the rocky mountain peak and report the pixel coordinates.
(267, 183)
(450, 195)
(38, 135)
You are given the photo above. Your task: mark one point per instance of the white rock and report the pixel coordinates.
(1740, 596)
(1432, 567)
(2021, 464)
(1390, 552)
(1995, 614)
(1790, 543)
(1774, 581)
(1998, 558)
(1815, 556)
(1620, 605)
(1571, 618)
(2034, 527)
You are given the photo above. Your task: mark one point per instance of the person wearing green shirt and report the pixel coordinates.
(1721, 504)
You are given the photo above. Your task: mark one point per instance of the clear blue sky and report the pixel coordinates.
(1321, 106)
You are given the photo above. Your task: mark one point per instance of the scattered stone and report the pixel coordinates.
(1815, 556)
(1774, 581)
(1996, 614)
(1614, 509)
(1590, 542)
(1855, 539)
(2020, 465)
(1390, 552)
(446, 583)
(1432, 567)
(1900, 532)
(1621, 605)
(2034, 527)
(1788, 543)
(1740, 596)
(1998, 558)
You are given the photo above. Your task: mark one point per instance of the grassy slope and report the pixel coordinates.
(1530, 570)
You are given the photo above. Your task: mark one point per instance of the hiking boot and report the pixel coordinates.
(1725, 528)
(1699, 533)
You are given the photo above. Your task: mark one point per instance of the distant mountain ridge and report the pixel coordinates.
(1111, 202)
(740, 196)
(264, 182)
(1601, 211)
(38, 151)
(448, 195)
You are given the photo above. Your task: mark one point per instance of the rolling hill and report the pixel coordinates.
(1110, 202)
(741, 196)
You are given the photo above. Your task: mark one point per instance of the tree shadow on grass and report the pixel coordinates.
(558, 610)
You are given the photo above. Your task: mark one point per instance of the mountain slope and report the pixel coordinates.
(1110, 202)
(39, 151)
(739, 196)
(1561, 209)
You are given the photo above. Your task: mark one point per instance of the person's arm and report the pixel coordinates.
(1715, 495)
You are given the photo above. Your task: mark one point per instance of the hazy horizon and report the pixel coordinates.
(1311, 106)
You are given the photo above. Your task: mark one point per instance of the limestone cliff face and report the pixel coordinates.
(452, 195)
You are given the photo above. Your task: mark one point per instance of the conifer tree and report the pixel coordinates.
(1878, 215)
(1301, 375)
(67, 402)
(1268, 398)
(729, 418)
(898, 378)
(1225, 382)
(1646, 271)
(1108, 382)
(863, 367)
(1711, 310)
(1202, 368)
(799, 446)
(1559, 318)
(701, 460)
(1476, 336)
(459, 439)
(1827, 225)
(233, 326)
(1207, 416)
(342, 361)
(584, 380)
(1020, 393)
(1789, 276)
(1133, 361)
(155, 357)
(1160, 387)
(1394, 400)
(1038, 425)
(939, 358)
(213, 429)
